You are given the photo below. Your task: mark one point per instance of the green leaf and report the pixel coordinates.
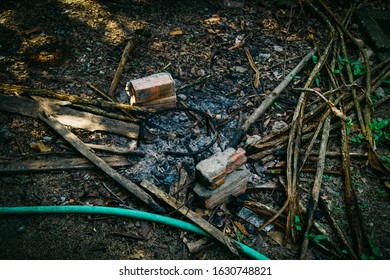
(341, 60)
(376, 251)
(311, 235)
(319, 237)
(315, 60)
(297, 220)
(386, 81)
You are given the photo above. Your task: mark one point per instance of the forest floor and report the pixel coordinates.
(65, 45)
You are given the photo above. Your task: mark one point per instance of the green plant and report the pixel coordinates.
(316, 238)
(317, 79)
(358, 68)
(326, 177)
(377, 127)
(297, 222)
(357, 139)
(315, 59)
(349, 124)
(362, 205)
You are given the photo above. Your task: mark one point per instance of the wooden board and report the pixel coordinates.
(68, 116)
(57, 164)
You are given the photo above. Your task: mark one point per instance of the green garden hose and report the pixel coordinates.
(121, 212)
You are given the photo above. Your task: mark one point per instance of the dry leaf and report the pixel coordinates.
(212, 20)
(242, 229)
(137, 255)
(176, 31)
(211, 31)
(41, 147)
(278, 237)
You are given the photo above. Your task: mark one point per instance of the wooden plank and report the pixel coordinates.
(101, 164)
(68, 116)
(191, 215)
(57, 164)
(115, 150)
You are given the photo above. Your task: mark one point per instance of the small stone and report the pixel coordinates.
(252, 139)
(182, 97)
(278, 48)
(278, 125)
(239, 69)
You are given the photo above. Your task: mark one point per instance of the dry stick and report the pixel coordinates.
(315, 193)
(350, 78)
(115, 150)
(23, 90)
(101, 92)
(293, 149)
(129, 47)
(331, 105)
(333, 224)
(256, 83)
(106, 96)
(383, 75)
(85, 151)
(317, 131)
(307, 117)
(100, 112)
(269, 100)
(194, 217)
(359, 238)
(368, 106)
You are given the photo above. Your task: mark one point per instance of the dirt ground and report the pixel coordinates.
(63, 45)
